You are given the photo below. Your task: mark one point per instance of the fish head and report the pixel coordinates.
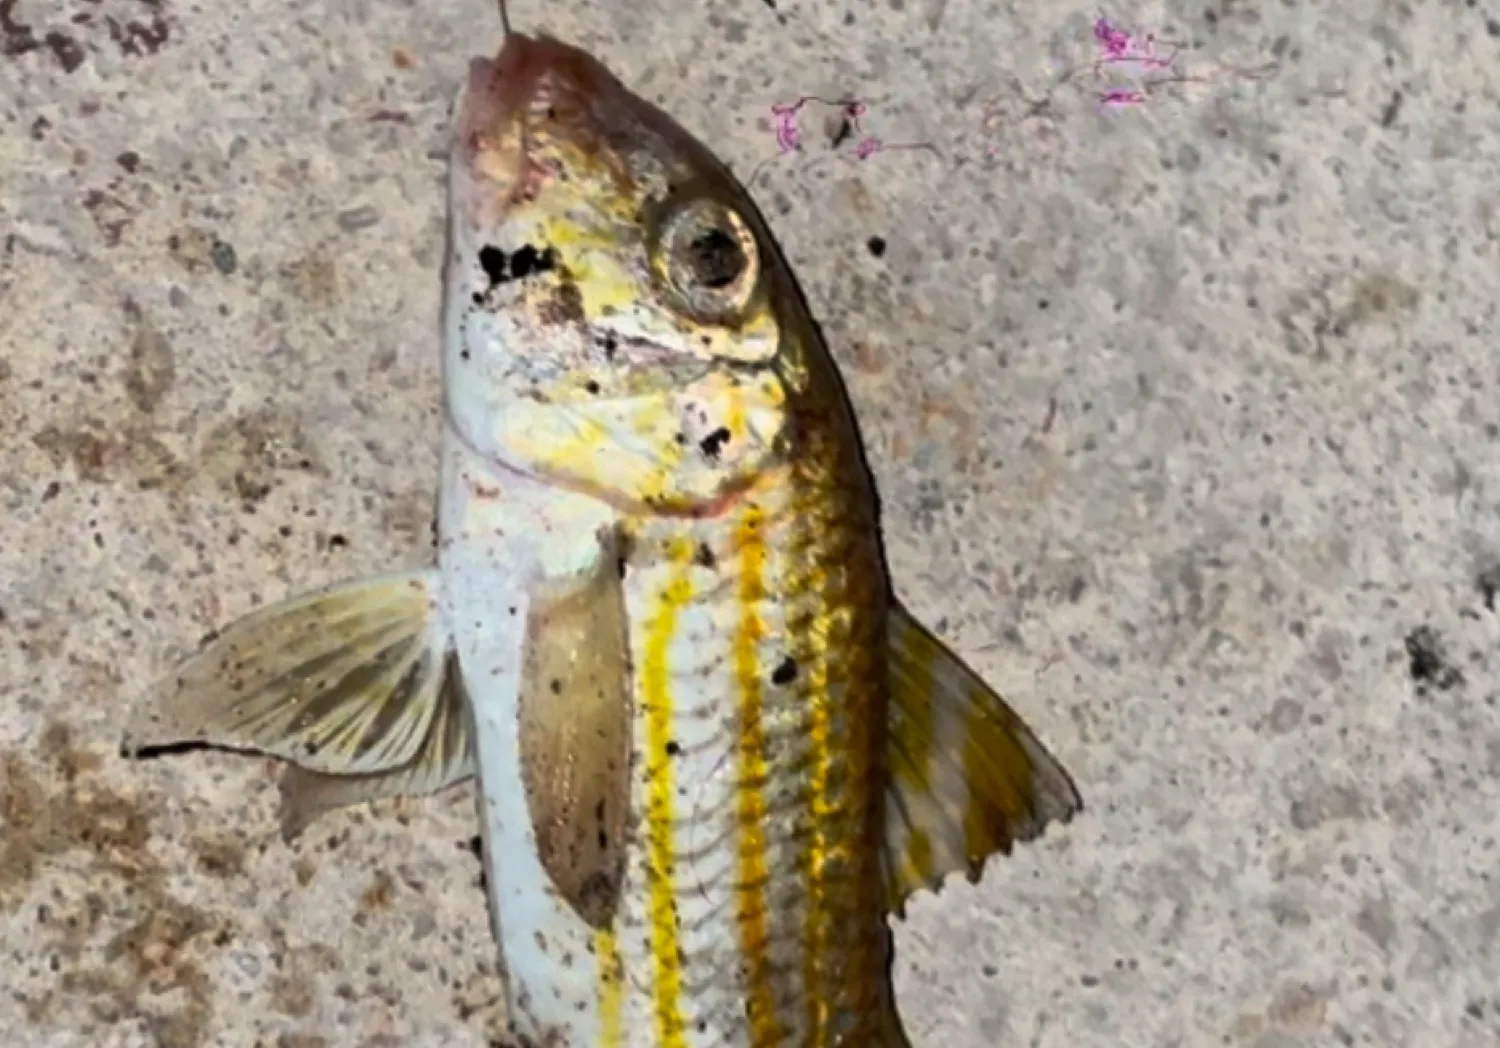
(617, 314)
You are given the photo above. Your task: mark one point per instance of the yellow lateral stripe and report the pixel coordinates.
(750, 891)
(660, 818)
(611, 989)
(816, 935)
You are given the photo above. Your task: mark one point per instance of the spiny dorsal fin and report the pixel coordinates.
(968, 779)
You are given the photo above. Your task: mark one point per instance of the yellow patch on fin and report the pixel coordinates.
(575, 739)
(968, 779)
(345, 681)
(445, 759)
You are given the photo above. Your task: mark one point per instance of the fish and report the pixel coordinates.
(715, 754)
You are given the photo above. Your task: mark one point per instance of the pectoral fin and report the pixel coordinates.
(968, 778)
(575, 739)
(351, 684)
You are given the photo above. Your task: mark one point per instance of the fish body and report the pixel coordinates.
(714, 753)
(755, 898)
(749, 903)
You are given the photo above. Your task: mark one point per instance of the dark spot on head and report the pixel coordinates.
(591, 386)
(528, 261)
(525, 261)
(565, 306)
(786, 672)
(876, 246)
(495, 264)
(556, 686)
(714, 442)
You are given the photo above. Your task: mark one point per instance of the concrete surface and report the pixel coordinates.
(1186, 416)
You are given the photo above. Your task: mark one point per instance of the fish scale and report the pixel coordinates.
(784, 782)
(715, 754)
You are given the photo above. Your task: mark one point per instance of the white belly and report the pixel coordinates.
(498, 535)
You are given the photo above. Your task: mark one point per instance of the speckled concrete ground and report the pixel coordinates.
(1186, 416)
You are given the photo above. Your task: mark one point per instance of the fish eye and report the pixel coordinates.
(707, 259)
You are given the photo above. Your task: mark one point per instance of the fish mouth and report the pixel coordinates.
(530, 78)
(511, 75)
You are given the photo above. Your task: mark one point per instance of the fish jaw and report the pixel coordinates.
(570, 350)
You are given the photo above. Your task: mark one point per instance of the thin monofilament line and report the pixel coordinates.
(504, 17)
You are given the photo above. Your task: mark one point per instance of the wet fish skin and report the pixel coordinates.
(751, 910)
(714, 753)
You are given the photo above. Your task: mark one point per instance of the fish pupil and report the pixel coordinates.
(715, 258)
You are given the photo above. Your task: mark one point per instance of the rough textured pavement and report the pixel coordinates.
(1186, 415)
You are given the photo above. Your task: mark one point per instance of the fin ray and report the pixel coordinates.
(968, 778)
(446, 758)
(575, 739)
(346, 680)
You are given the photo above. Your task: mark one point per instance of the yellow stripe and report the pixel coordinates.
(660, 818)
(611, 989)
(819, 929)
(750, 893)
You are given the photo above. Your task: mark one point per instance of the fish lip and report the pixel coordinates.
(498, 88)
(493, 145)
(495, 93)
(513, 71)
